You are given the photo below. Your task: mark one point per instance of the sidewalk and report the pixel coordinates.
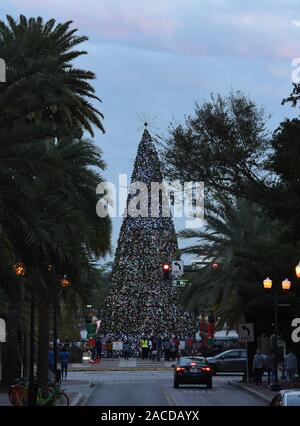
(119, 364)
(78, 392)
(4, 399)
(263, 392)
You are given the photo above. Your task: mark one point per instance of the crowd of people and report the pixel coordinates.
(266, 363)
(153, 347)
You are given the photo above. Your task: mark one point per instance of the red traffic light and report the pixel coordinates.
(166, 267)
(216, 265)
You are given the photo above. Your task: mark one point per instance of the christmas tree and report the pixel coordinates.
(139, 300)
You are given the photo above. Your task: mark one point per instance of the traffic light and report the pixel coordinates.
(215, 266)
(166, 271)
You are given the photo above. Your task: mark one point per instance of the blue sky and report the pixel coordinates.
(158, 57)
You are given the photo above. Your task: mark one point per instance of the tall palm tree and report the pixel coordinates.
(42, 84)
(44, 100)
(245, 243)
(78, 236)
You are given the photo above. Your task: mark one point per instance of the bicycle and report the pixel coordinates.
(56, 398)
(18, 393)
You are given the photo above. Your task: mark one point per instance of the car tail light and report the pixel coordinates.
(206, 369)
(180, 369)
(193, 364)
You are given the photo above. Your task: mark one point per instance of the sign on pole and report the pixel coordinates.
(177, 268)
(246, 332)
(180, 283)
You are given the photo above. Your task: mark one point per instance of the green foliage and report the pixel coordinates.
(48, 173)
(42, 83)
(223, 144)
(249, 247)
(284, 163)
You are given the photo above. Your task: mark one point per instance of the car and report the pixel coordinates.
(288, 397)
(192, 371)
(231, 361)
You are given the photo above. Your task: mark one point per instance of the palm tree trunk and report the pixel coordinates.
(26, 354)
(11, 358)
(43, 345)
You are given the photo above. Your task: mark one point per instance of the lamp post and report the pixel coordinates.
(20, 271)
(285, 285)
(64, 282)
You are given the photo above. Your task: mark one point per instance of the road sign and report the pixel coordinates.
(180, 283)
(246, 332)
(177, 268)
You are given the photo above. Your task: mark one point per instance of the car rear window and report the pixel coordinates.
(188, 361)
(293, 400)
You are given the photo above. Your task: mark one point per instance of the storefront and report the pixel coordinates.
(2, 342)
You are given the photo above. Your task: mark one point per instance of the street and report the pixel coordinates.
(150, 388)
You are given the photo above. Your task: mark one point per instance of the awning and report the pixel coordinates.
(226, 335)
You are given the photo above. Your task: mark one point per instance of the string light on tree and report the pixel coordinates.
(139, 300)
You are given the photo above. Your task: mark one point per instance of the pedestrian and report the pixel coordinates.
(258, 367)
(126, 349)
(145, 348)
(150, 347)
(159, 347)
(51, 360)
(290, 367)
(64, 361)
(166, 347)
(98, 347)
(109, 349)
(173, 351)
(270, 367)
(190, 344)
(154, 350)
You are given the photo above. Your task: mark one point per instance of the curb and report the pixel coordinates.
(82, 398)
(78, 400)
(119, 369)
(251, 391)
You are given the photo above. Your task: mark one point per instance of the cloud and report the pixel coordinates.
(206, 28)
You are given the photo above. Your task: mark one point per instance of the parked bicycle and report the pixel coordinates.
(56, 397)
(18, 395)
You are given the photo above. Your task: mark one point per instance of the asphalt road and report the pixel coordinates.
(157, 389)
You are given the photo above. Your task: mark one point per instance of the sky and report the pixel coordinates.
(157, 58)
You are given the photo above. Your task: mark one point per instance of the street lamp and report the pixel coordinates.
(268, 283)
(65, 282)
(285, 285)
(298, 270)
(20, 269)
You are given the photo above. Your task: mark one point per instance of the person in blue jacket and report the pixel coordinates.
(64, 361)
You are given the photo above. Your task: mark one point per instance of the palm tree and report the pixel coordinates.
(42, 84)
(245, 243)
(44, 104)
(77, 235)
